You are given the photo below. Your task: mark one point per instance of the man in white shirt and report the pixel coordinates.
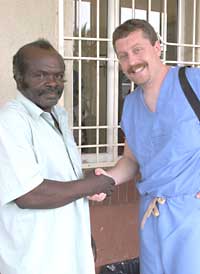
(44, 215)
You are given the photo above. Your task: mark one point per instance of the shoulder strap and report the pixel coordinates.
(189, 92)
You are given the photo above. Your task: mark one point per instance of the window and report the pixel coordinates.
(96, 87)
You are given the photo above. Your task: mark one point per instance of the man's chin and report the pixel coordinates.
(48, 104)
(52, 102)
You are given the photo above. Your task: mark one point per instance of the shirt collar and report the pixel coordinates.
(32, 108)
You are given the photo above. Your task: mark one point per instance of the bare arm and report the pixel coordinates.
(125, 169)
(53, 194)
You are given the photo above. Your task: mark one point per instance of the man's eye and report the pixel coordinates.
(136, 50)
(39, 75)
(122, 57)
(43, 76)
(59, 76)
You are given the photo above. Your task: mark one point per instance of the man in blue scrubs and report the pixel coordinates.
(163, 144)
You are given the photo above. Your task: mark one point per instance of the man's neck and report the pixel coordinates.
(152, 90)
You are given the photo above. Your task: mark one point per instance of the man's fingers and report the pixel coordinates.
(97, 197)
(99, 171)
(198, 195)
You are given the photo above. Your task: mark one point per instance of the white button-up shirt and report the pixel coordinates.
(45, 241)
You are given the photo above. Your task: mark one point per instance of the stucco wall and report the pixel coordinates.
(22, 21)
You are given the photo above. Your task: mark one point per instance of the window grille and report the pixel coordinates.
(96, 87)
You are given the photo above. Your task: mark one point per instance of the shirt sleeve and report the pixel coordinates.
(19, 171)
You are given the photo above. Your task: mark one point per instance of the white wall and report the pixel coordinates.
(21, 22)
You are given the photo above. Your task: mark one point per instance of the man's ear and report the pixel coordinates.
(20, 82)
(157, 46)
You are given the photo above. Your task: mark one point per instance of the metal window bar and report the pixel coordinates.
(194, 30)
(133, 8)
(164, 28)
(61, 34)
(79, 73)
(97, 82)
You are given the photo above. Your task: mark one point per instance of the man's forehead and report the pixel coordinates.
(34, 56)
(134, 35)
(32, 52)
(133, 39)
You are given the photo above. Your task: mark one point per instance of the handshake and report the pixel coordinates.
(103, 185)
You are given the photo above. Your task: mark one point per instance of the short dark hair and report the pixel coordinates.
(19, 62)
(132, 25)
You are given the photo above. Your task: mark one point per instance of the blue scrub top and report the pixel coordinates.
(166, 142)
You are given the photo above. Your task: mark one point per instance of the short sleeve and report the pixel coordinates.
(19, 171)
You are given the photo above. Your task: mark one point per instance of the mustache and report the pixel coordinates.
(134, 68)
(47, 90)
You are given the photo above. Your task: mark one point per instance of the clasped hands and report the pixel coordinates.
(101, 196)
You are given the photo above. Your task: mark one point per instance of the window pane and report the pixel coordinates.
(82, 17)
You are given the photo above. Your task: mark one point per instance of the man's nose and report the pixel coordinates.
(132, 60)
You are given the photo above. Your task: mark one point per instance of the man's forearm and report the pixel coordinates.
(124, 171)
(53, 194)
